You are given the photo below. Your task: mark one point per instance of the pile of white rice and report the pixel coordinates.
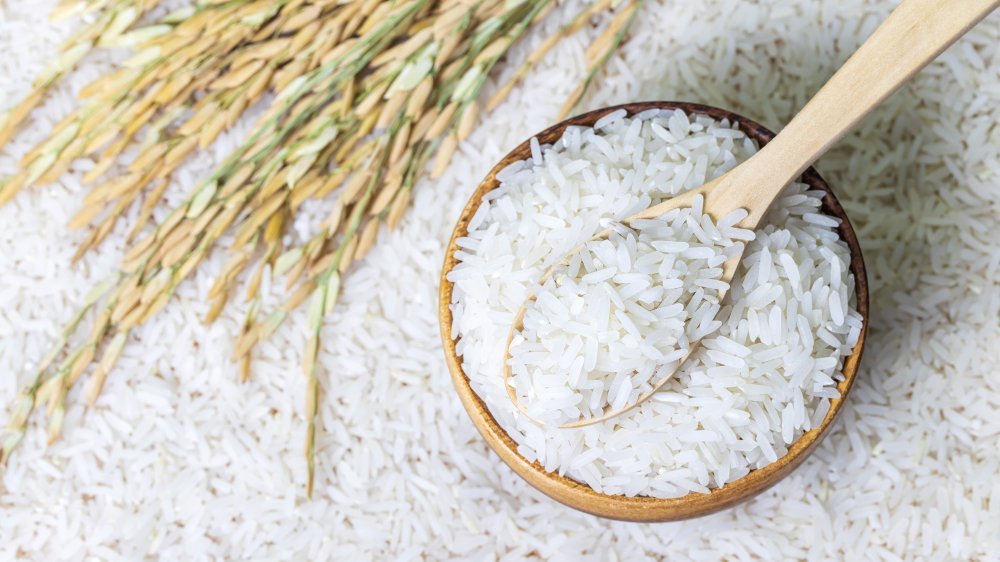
(622, 314)
(764, 372)
(178, 460)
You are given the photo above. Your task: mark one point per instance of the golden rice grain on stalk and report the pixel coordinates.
(348, 256)
(468, 120)
(401, 144)
(444, 154)
(323, 264)
(419, 96)
(301, 294)
(386, 195)
(390, 109)
(367, 239)
(355, 186)
(399, 206)
(424, 124)
(442, 121)
(371, 99)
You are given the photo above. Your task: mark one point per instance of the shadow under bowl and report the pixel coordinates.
(641, 508)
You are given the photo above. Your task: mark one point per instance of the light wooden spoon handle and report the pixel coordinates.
(914, 34)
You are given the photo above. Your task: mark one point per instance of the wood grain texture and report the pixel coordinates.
(646, 509)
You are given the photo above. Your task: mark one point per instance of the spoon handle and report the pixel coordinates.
(914, 34)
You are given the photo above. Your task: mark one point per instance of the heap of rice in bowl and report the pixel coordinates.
(763, 362)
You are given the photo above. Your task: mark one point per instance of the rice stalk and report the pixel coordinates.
(600, 51)
(367, 94)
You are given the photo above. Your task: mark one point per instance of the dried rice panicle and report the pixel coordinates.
(367, 91)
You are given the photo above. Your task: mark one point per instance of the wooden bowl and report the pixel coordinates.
(646, 509)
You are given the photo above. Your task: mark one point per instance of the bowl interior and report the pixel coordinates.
(580, 496)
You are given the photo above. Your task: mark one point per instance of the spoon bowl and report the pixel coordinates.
(646, 509)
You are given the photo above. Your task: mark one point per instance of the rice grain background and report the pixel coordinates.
(177, 460)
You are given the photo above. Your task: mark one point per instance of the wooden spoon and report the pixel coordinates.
(913, 35)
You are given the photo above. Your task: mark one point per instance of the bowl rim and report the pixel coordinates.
(642, 508)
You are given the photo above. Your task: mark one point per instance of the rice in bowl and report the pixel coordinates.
(752, 389)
